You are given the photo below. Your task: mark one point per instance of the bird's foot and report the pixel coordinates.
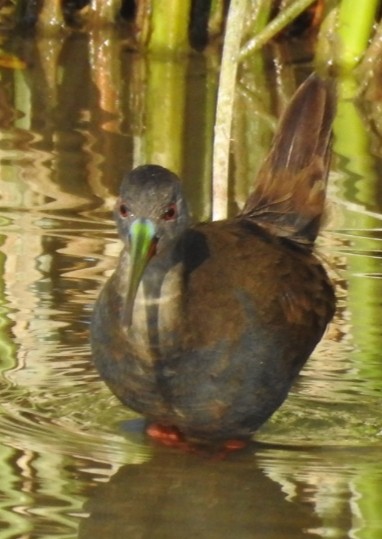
(172, 437)
(165, 435)
(235, 445)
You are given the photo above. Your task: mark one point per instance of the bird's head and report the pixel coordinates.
(151, 215)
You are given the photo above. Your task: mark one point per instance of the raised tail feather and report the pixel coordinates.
(289, 195)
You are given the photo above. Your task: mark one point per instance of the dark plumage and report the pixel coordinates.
(205, 327)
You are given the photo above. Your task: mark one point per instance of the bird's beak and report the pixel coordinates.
(142, 248)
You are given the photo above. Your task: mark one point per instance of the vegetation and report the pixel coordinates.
(344, 29)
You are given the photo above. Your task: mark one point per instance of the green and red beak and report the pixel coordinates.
(143, 243)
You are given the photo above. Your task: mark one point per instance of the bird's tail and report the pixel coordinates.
(289, 195)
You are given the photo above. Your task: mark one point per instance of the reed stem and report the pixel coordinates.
(355, 24)
(282, 20)
(225, 102)
(169, 26)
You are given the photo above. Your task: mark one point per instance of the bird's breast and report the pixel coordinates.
(157, 322)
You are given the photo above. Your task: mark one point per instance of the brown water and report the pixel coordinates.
(74, 462)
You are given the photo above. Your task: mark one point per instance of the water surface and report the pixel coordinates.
(76, 463)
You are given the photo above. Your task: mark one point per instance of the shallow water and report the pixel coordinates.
(75, 463)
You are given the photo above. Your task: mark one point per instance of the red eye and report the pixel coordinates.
(124, 210)
(170, 213)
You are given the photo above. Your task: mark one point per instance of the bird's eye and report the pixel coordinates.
(170, 213)
(124, 210)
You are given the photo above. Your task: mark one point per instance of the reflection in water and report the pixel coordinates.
(184, 496)
(75, 462)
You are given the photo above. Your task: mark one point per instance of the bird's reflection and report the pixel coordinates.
(183, 495)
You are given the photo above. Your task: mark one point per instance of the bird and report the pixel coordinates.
(204, 327)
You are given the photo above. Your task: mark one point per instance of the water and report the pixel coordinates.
(75, 463)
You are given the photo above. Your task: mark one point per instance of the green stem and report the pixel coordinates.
(355, 23)
(351, 137)
(169, 25)
(165, 103)
(274, 27)
(262, 11)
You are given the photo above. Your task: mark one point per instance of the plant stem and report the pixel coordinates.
(225, 101)
(355, 23)
(261, 12)
(169, 25)
(165, 103)
(274, 27)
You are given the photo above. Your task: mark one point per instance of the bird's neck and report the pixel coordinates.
(158, 307)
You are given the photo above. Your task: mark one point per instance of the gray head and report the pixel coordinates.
(151, 215)
(152, 193)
